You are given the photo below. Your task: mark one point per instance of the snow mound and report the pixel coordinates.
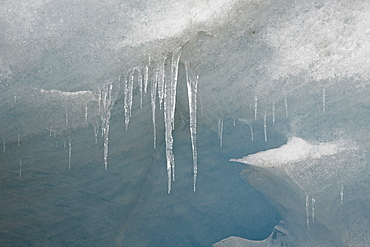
(295, 150)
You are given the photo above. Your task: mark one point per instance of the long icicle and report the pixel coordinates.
(175, 58)
(153, 99)
(146, 74)
(161, 82)
(192, 98)
(168, 132)
(108, 102)
(128, 88)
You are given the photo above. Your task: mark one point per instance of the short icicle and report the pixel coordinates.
(251, 130)
(66, 105)
(323, 100)
(286, 106)
(96, 130)
(307, 212)
(20, 170)
(313, 201)
(220, 129)
(255, 107)
(192, 98)
(265, 126)
(140, 82)
(85, 112)
(273, 113)
(69, 151)
(341, 191)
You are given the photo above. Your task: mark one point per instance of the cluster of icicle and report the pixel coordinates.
(163, 83)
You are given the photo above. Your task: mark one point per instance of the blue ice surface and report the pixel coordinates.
(128, 205)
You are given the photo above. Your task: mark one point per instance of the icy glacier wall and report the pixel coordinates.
(184, 123)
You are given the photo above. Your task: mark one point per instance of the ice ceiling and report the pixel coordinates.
(103, 102)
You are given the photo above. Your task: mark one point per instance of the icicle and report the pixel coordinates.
(146, 75)
(106, 135)
(220, 129)
(50, 130)
(273, 113)
(15, 99)
(192, 98)
(234, 122)
(128, 94)
(99, 100)
(102, 129)
(19, 139)
(65, 101)
(96, 130)
(69, 152)
(168, 133)
(169, 99)
(85, 112)
(20, 170)
(153, 99)
(323, 99)
(175, 58)
(307, 212)
(264, 126)
(140, 81)
(286, 106)
(4, 147)
(341, 191)
(64, 144)
(313, 201)
(161, 82)
(251, 130)
(255, 107)
(201, 106)
(108, 102)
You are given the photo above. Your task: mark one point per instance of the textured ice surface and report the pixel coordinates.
(283, 83)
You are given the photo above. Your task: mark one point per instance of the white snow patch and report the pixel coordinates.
(327, 41)
(67, 94)
(295, 150)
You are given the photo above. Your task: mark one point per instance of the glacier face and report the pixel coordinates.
(284, 83)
